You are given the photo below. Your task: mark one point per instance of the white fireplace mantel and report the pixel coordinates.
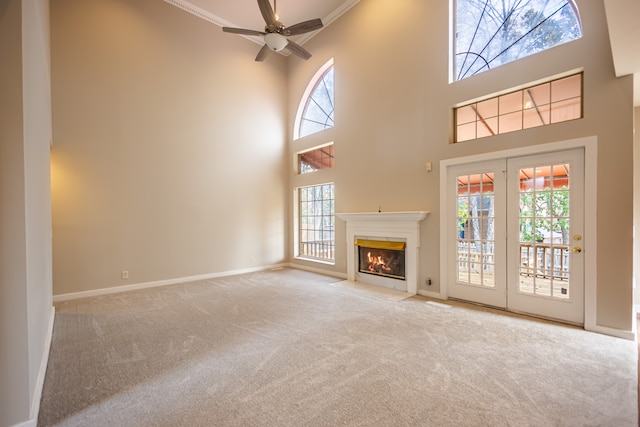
(402, 226)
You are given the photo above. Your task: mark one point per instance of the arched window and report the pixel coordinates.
(489, 33)
(316, 108)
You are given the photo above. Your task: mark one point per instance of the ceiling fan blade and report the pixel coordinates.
(243, 31)
(298, 50)
(304, 27)
(264, 52)
(267, 12)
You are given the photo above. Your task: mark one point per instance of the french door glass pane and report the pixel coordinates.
(544, 231)
(476, 238)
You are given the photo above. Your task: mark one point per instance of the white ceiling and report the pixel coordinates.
(246, 14)
(623, 17)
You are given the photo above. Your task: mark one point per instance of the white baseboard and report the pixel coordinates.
(147, 285)
(37, 395)
(618, 333)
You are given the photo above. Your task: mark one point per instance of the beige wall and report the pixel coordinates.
(636, 208)
(14, 406)
(25, 207)
(169, 145)
(393, 114)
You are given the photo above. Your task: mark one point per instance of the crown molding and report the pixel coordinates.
(210, 17)
(328, 20)
(214, 19)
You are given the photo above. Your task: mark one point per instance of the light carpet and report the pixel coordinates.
(293, 348)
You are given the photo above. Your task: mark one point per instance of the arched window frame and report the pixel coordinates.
(307, 97)
(476, 55)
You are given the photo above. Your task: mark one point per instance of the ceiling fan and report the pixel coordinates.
(275, 32)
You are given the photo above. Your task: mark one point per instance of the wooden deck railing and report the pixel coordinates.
(544, 260)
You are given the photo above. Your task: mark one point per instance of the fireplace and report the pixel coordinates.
(390, 231)
(381, 258)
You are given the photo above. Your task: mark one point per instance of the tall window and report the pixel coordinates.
(489, 33)
(314, 205)
(316, 222)
(316, 112)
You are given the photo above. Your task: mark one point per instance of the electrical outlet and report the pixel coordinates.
(427, 281)
(125, 275)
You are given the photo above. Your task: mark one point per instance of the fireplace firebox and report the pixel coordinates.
(382, 262)
(382, 258)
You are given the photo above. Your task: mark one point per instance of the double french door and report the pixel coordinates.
(515, 234)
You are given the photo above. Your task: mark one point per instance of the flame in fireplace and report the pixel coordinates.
(377, 264)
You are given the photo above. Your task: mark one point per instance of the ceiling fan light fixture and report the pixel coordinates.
(276, 41)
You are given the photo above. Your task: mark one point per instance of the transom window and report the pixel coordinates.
(318, 111)
(489, 33)
(547, 103)
(316, 159)
(316, 222)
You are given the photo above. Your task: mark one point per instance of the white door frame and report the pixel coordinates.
(590, 146)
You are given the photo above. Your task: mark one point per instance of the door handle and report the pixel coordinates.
(576, 249)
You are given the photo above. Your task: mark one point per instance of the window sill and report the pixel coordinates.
(319, 261)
